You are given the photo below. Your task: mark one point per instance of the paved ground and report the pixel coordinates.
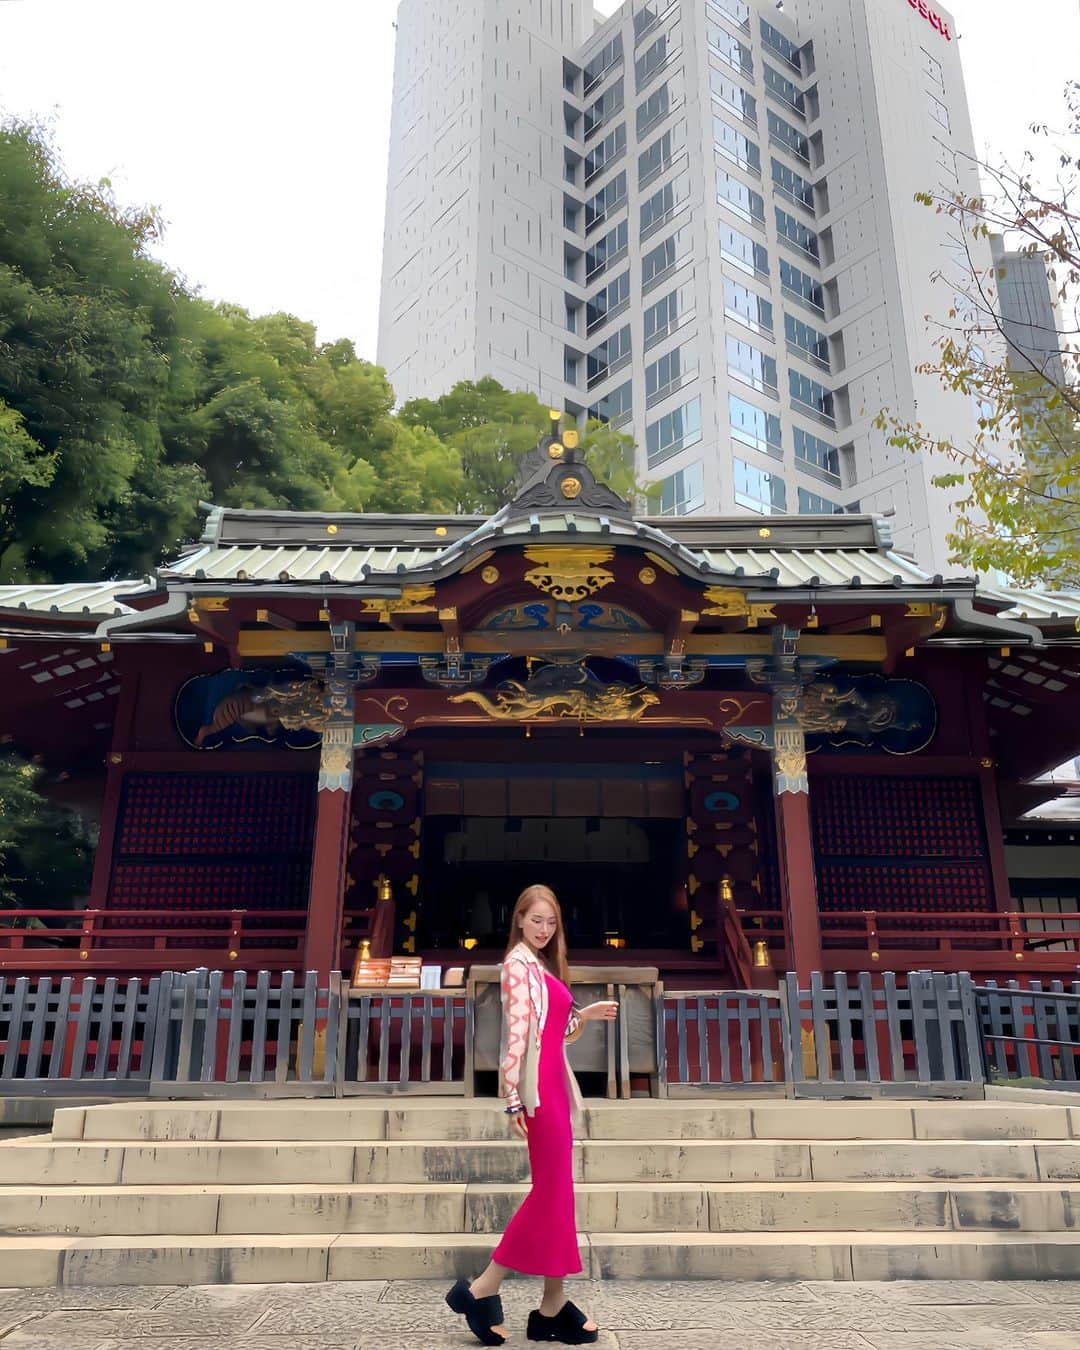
(410, 1315)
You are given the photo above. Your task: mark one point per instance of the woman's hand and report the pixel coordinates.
(603, 1011)
(519, 1125)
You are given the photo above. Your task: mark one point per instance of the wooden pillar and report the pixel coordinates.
(798, 884)
(326, 891)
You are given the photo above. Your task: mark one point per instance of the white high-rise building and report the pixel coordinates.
(694, 219)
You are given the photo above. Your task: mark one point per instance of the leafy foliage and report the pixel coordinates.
(126, 399)
(1021, 468)
(46, 852)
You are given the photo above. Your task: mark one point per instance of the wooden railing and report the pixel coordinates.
(898, 940)
(211, 1033)
(155, 940)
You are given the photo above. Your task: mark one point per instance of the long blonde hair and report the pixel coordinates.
(553, 954)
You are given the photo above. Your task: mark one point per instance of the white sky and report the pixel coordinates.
(260, 127)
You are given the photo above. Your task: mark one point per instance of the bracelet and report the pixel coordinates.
(513, 1110)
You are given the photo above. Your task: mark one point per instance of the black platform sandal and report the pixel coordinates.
(567, 1326)
(481, 1314)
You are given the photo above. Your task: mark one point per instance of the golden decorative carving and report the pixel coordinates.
(571, 439)
(412, 600)
(212, 604)
(555, 450)
(489, 576)
(613, 703)
(647, 576)
(570, 488)
(789, 755)
(569, 573)
(331, 529)
(764, 532)
(726, 602)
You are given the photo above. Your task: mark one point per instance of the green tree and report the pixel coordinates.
(46, 851)
(1021, 511)
(490, 427)
(493, 428)
(125, 398)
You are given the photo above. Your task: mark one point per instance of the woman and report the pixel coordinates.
(542, 1102)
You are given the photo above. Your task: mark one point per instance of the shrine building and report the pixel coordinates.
(733, 746)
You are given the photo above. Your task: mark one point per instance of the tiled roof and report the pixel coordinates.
(75, 599)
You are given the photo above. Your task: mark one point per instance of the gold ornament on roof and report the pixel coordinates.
(726, 603)
(571, 439)
(570, 488)
(569, 573)
(555, 450)
(489, 576)
(412, 600)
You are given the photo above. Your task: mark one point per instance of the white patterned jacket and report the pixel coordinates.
(525, 1006)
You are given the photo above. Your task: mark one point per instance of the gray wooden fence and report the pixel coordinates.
(1029, 1031)
(212, 1033)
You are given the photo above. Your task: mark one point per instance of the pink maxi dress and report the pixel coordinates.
(541, 1238)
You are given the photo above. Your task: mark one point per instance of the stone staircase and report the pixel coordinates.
(364, 1188)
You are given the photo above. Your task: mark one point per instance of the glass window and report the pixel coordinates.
(667, 314)
(605, 251)
(932, 69)
(649, 15)
(738, 10)
(610, 54)
(661, 51)
(939, 112)
(753, 367)
(795, 232)
(735, 195)
(607, 302)
(729, 49)
(744, 252)
(818, 454)
(657, 208)
(747, 308)
(613, 406)
(781, 45)
(605, 107)
(610, 196)
(683, 491)
(754, 427)
(758, 490)
(810, 394)
(605, 152)
(664, 256)
(784, 89)
(735, 146)
(807, 340)
(675, 431)
(811, 504)
(802, 286)
(670, 372)
(611, 353)
(733, 96)
(658, 156)
(788, 136)
(792, 185)
(656, 107)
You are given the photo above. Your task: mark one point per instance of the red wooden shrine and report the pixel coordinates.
(734, 746)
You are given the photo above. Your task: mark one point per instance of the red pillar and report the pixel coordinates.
(798, 885)
(326, 895)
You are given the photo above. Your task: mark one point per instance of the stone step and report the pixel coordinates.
(340, 1162)
(179, 1259)
(685, 1208)
(457, 1119)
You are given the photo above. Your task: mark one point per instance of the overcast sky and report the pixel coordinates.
(260, 127)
